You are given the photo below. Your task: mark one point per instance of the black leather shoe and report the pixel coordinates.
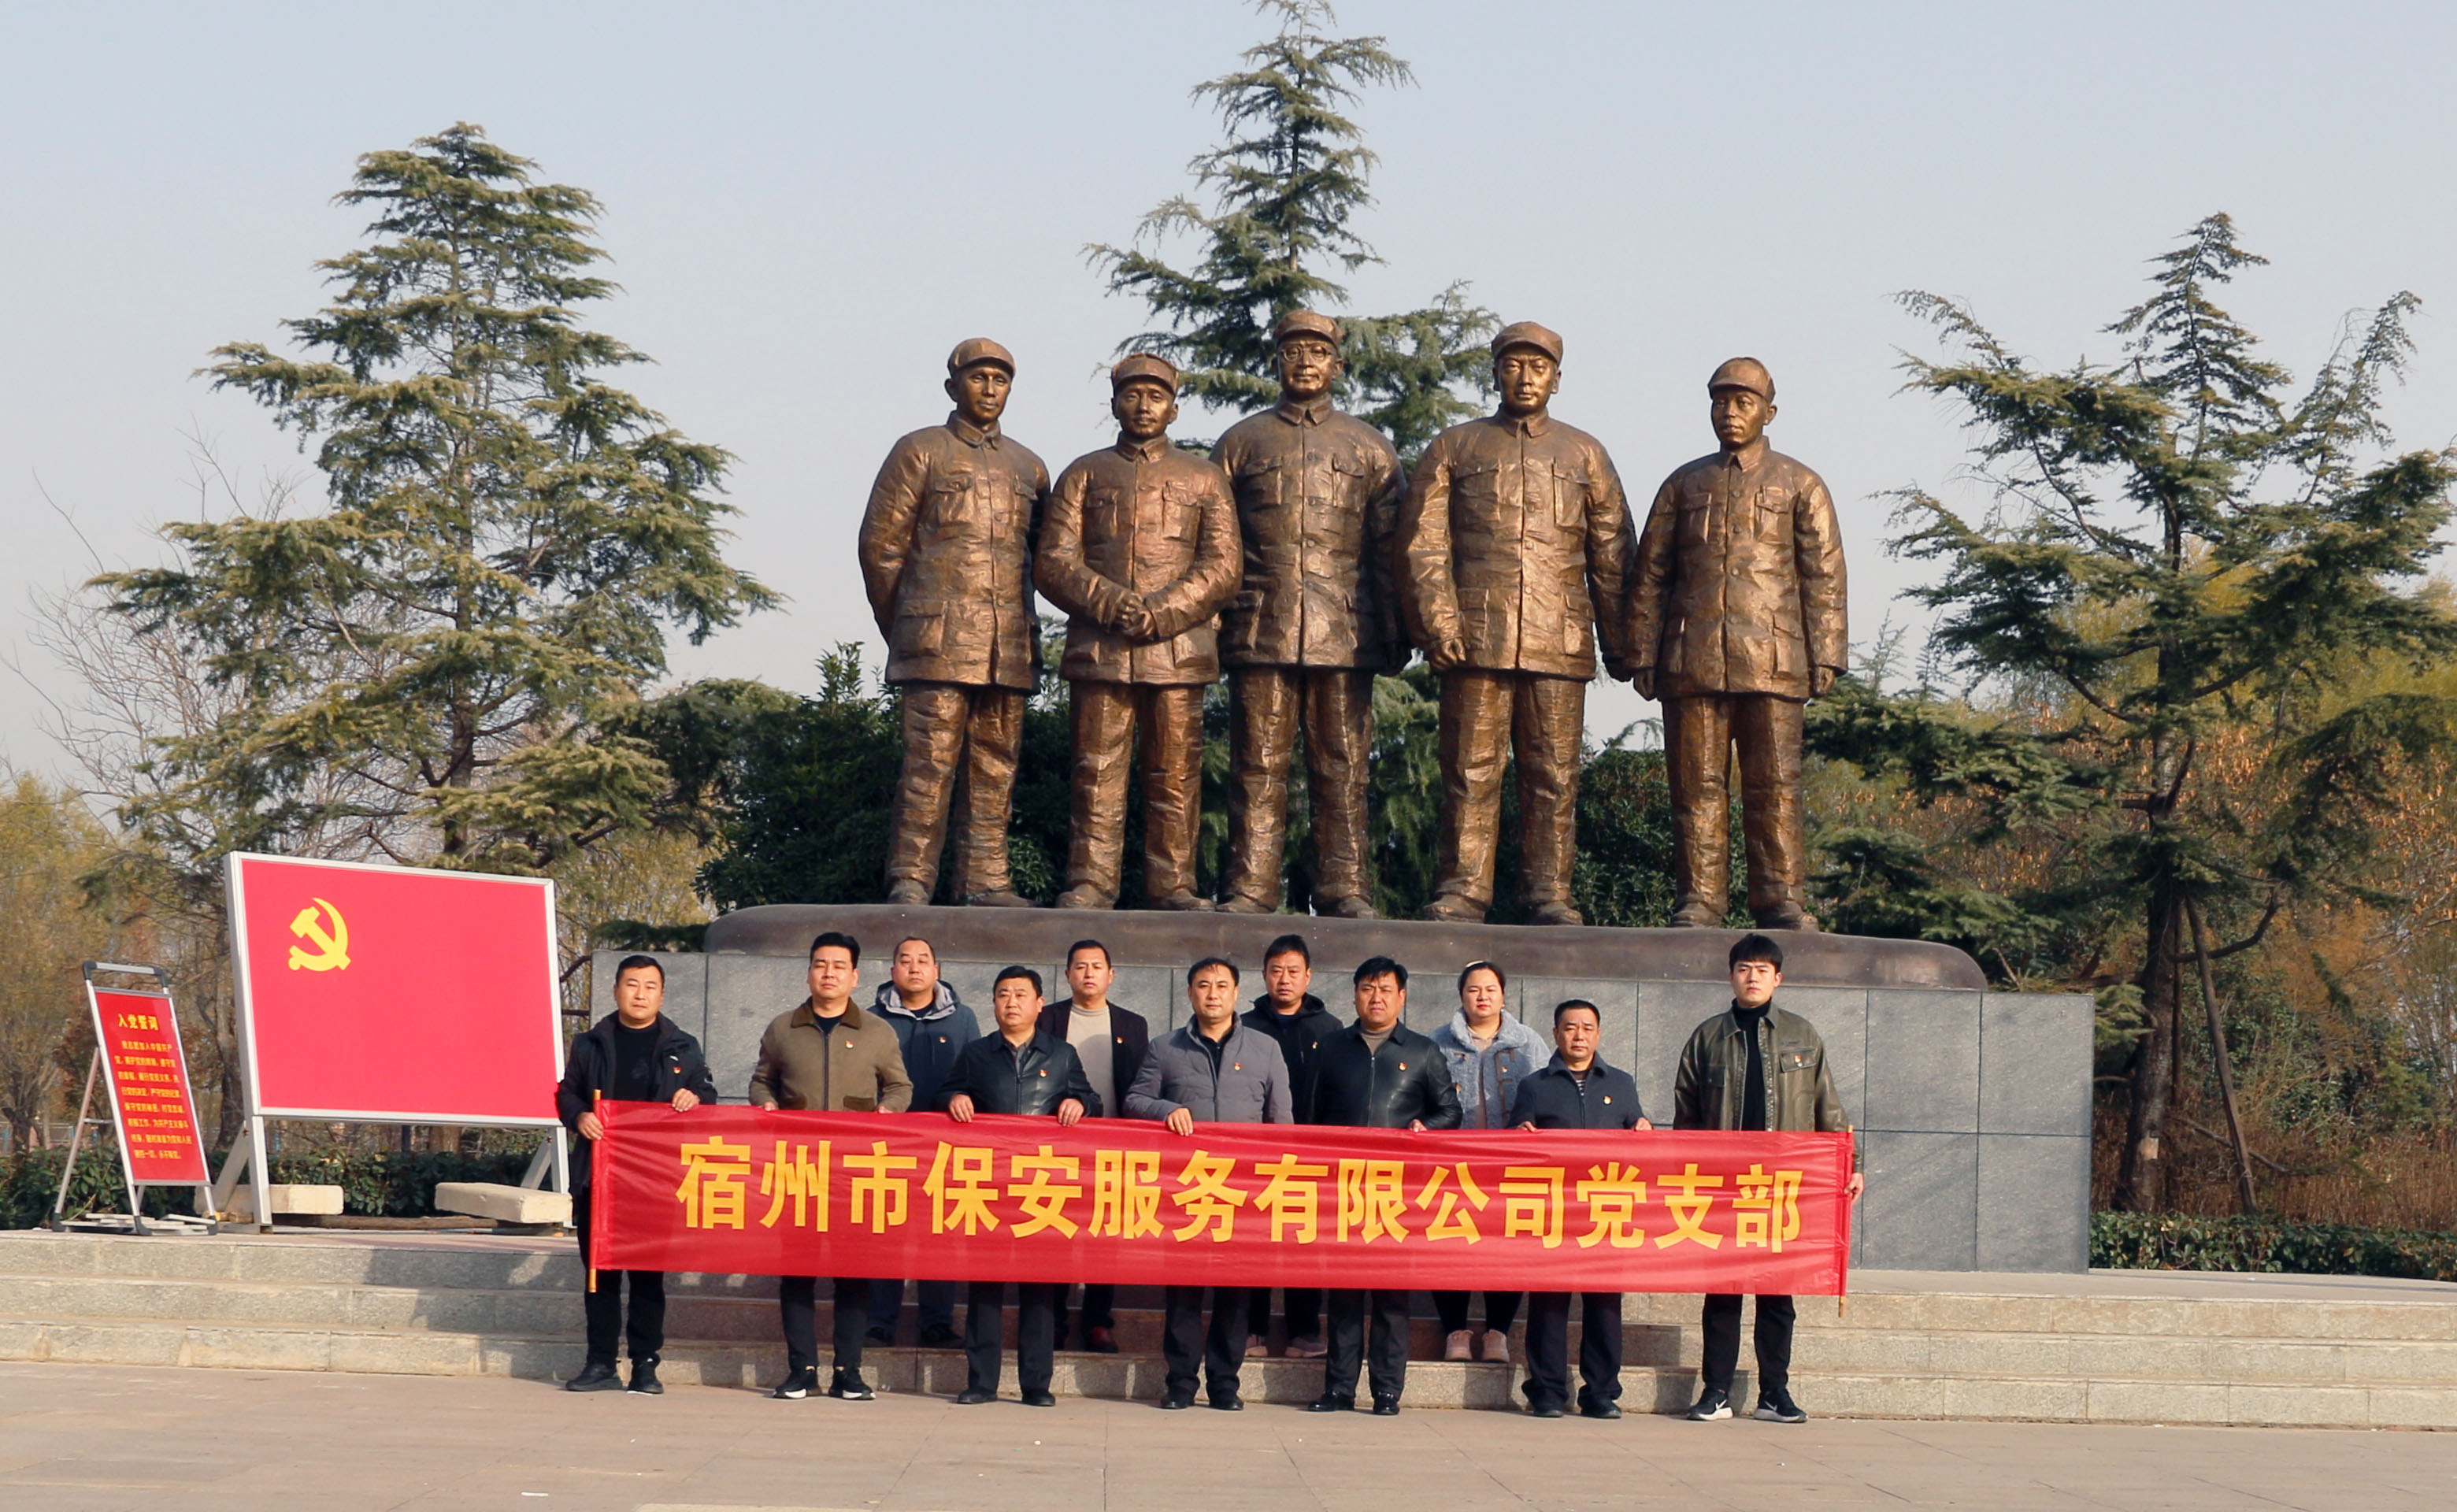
(974, 1397)
(797, 1385)
(1600, 1411)
(1175, 1403)
(1232, 1402)
(1548, 1410)
(596, 1376)
(879, 1336)
(1327, 1402)
(1039, 1398)
(942, 1338)
(1386, 1406)
(644, 1379)
(849, 1386)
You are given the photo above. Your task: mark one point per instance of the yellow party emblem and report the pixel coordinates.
(332, 952)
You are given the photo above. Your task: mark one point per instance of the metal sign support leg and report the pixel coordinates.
(77, 1138)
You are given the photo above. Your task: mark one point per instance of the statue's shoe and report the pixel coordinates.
(1002, 898)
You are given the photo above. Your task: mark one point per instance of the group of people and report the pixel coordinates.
(1302, 558)
(1285, 1058)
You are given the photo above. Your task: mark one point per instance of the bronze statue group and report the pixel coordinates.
(1285, 1059)
(1305, 559)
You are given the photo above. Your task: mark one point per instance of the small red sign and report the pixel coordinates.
(149, 1097)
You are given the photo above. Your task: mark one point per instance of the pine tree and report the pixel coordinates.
(431, 662)
(1292, 172)
(2177, 545)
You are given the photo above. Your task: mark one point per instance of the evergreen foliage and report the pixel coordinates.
(433, 664)
(1292, 174)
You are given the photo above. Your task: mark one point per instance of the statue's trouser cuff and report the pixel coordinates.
(1108, 717)
(1486, 719)
(1267, 708)
(1698, 735)
(961, 742)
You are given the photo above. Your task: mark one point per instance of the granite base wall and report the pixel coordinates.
(1973, 1106)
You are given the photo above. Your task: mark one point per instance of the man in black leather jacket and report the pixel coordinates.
(1020, 1070)
(1378, 1074)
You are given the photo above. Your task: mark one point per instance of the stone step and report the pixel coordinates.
(703, 1319)
(2114, 1398)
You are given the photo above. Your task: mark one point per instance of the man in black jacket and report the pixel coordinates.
(1378, 1074)
(932, 1027)
(1111, 1042)
(634, 1054)
(1289, 1012)
(1577, 1090)
(1024, 1070)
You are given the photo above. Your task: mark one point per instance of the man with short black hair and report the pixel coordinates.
(634, 1054)
(1576, 1090)
(828, 1056)
(1022, 1071)
(1755, 1067)
(1210, 1069)
(1290, 1014)
(1111, 1043)
(1378, 1074)
(932, 1027)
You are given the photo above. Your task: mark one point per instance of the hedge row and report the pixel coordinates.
(2136, 1241)
(380, 1183)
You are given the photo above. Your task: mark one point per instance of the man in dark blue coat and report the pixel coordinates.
(1577, 1090)
(634, 1054)
(932, 1028)
(1022, 1070)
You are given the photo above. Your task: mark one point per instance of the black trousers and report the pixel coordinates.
(797, 1300)
(1035, 1332)
(603, 1307)
(1722, 1324)
(1301, 1307)
(1185, 1342)
(938, 1302)
(1384, 1356)
(1099, 1310)
(1500, 1310)
(1548, 1349)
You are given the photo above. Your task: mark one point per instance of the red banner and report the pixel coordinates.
(738, 1190)
(396, 993)
(149, 1097)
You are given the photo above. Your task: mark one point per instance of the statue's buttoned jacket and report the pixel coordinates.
(946, 556)
(1148, 519)
(1318, 495)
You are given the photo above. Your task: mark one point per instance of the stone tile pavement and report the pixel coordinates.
(78, 1437)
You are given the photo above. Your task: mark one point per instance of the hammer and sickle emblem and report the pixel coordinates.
(332, 952)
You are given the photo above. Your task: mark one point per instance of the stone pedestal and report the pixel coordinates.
(1973, 1106)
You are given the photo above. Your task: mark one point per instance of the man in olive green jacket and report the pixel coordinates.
(1755, 1067)
(830, 1057)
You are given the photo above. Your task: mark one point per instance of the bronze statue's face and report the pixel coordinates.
(1143, 409)
(979, 392)
(1309, 365)
(1740, 416)
(1527, 378)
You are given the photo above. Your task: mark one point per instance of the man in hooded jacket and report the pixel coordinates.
(932, 1028)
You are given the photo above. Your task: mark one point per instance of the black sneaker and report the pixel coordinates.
(1776, 1406)
(1713, 1406)
(849, 1386)
(797, 1385)
(644, 1379)
(597, 1375)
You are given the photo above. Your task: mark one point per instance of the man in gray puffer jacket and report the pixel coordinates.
(1489, 1052)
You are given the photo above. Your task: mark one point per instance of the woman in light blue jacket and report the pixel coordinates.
(1490, 1052)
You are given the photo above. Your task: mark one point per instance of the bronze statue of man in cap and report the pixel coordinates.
(946, 556)
(1514, 546)
(1736, 620)
(1317, 498)
(1140, 549)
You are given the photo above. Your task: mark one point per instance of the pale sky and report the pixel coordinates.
(808, 205)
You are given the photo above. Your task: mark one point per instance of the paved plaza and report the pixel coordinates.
(80, 1437)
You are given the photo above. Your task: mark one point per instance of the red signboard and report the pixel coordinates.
(159, 1145)
(740, 1191)
(396, 994)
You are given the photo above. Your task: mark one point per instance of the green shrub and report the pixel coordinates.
(2136, 1241)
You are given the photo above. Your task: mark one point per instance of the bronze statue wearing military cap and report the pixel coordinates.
(1514, 544)
(1736, 620)
(1317, 496)
(946, 557)
(1140, 549)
